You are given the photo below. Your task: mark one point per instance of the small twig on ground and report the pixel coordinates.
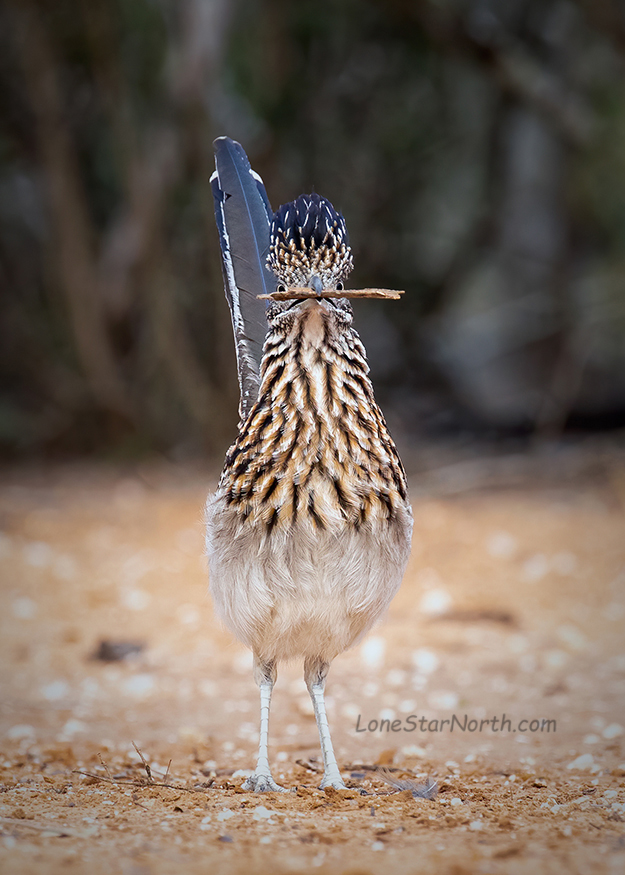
(362, 767)
(146, 765)
(55, 828)
(167, 772)
(307, 764)
(139, 782)
(104, 766)
(136, 802)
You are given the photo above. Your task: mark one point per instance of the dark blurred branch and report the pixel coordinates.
(149, 177)
(124, 242)
(174, 347)
(480, 36)
(608, 16)
(68, 210)
(193, 62)
(563, 387)
(523, 76)
(150, 165)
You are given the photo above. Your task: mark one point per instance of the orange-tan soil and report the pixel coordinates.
(513, 603)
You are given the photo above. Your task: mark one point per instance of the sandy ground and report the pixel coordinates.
(513, 604)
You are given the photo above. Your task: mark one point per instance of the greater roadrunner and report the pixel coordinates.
(308, 534)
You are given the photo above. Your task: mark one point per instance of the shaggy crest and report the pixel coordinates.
(309, 237)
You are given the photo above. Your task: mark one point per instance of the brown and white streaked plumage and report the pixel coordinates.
(309, 531)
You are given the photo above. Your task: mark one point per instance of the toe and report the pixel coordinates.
(337, 783)
(262, 784)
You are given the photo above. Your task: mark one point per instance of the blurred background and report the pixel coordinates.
(475, 147)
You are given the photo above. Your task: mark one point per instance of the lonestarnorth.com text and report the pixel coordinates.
(414, 723)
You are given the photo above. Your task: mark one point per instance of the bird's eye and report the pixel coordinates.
(340, 287)
(281, 287)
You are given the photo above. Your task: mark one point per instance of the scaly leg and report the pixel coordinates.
(261, 781)
(315, 671)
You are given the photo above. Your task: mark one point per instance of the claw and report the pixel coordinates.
(263, 784)
(337, 783)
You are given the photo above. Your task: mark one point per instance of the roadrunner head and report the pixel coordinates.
(309, 245)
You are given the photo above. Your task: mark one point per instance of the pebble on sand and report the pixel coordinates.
(583, 762)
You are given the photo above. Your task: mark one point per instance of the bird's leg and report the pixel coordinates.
(315, 671)
(261, 781)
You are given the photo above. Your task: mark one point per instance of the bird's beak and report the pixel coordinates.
(316, 285)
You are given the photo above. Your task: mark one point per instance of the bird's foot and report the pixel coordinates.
(263, 784)
(333, 781)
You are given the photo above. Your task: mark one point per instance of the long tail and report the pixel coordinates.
(243, 215)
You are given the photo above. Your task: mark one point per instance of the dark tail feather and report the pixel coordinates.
(243, 215)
